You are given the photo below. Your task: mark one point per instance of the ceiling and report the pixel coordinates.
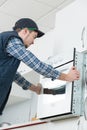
(42, 11)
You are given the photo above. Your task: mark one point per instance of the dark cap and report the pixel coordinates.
(27, 23)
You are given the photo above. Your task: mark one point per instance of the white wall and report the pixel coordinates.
(68, 26)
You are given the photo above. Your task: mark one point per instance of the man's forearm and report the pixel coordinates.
(21, 81)
(63, 77)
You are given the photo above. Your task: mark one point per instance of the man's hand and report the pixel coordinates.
(37, 89)
(72, 75)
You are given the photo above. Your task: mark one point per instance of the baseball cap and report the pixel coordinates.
(28, 23)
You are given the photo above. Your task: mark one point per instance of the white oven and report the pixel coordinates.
(70, 102)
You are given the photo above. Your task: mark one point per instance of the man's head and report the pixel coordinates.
(28, 23)
(28, 30)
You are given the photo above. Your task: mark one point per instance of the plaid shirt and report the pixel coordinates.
(17, 49)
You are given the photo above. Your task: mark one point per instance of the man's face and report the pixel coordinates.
(28, 37)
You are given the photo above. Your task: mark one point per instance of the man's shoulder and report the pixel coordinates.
(9, 33)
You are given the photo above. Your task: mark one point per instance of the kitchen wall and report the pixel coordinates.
(71, 27)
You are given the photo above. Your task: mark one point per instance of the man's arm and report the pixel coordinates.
(26, 85)
(17, 49)
(21, 81)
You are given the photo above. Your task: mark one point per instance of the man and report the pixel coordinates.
(13, 46)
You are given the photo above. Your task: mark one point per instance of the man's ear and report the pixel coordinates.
(25, 30)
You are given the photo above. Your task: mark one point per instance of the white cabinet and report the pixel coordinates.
(18, 94)
(66, 124)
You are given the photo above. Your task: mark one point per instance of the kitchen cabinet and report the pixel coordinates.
(18, 94)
